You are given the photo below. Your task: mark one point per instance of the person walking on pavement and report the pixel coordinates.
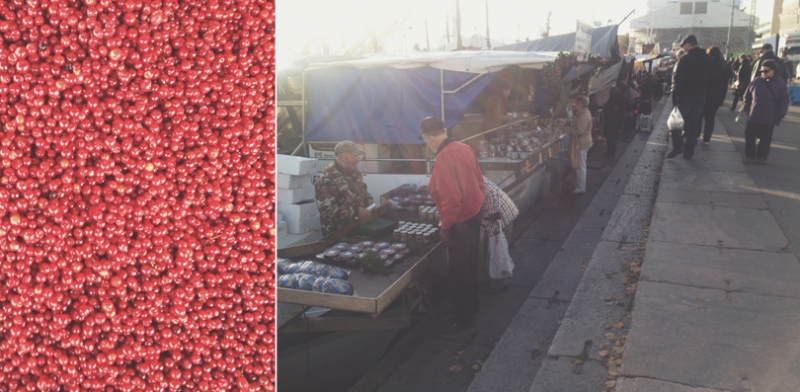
(767, 53)
(789, 66)
(743, 76)
(580, 133)
(613, 112)
(631, 94)
(457, 188)
(498, 210)
(716, 92)
(693, 76)
(766, 102)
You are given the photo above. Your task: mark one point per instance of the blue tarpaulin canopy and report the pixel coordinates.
(604, 43)
(382, 98)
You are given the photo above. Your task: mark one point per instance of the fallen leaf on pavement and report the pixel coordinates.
(456, 368)
(608, 326)
(577, 361)
(602, 353)
(619, 325)
(609, 336)
(611, 383)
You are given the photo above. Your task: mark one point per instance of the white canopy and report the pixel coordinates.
(462, 61)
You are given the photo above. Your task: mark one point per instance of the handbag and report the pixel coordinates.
(500, 263)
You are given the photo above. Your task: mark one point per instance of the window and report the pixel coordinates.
(700, 7)
(686, 8)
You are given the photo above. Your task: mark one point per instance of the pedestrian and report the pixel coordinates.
(494, 114)
(765, 103)
(717, 91)
(580, 133)
(456, 186)
(631, 94)
(767, 53)
(613, 112)
(498, 211)
(692, 79)
(729, 65)
(789, 66)
(743, 76)
(340, 191)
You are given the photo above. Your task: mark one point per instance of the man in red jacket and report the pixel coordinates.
(457, 188)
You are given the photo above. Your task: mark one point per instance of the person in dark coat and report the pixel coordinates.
(716, 91)
(767, 53)
(766, 102)
(613, 115)
(690, 85)
(744, 74)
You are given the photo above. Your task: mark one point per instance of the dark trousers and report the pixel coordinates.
(709, 115)
(612, 137)
(692, 109)
(764, 134)
(736, 97)
(462, 267)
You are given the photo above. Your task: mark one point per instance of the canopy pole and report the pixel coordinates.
(303, 127)
(441, 84)
(461, 87)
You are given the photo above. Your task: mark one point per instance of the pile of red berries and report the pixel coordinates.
(136, 213)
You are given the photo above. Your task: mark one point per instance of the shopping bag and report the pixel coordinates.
(675, 121)
(500, 263)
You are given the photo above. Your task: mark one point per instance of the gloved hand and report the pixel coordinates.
(444, 237)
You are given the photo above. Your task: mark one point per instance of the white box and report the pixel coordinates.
(296, 166)
(303, 225)
(288, 181)
(296, 211)
(282, 229)
(296, 195)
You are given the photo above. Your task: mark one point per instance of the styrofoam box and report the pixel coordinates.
(296, 166)
(296, 195)
(302, 225)
(288, 181)
(282, 229)
(295, 211)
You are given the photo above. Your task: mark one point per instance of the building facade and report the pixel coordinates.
(790, 16)
(670, 20)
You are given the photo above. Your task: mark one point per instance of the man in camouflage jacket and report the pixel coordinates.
(341, 193)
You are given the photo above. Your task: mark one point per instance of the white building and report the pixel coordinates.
(790, 16)
(708, 20)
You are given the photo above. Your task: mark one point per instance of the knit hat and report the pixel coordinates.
(769, 63)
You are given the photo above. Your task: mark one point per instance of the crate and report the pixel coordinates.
(294, 196)
(288, 181)
(297, 166)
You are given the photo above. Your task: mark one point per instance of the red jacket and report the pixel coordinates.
(456, 183)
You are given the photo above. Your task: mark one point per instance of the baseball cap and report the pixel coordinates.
(690, 39)
(430, 124)
(347, 146)
(766, 47)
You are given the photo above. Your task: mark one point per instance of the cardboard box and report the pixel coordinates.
(296, 166)
(297, 211)
(303, 225)
(296, 195)
(288, 181)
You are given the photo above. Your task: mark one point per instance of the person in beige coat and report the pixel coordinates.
(580, 132)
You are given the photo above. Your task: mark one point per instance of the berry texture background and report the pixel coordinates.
(136, 199)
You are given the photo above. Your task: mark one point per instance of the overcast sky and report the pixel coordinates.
(509, 20)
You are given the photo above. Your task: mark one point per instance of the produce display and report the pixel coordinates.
(407, 199)
(417, 233)
(136, 219)
(521, 140)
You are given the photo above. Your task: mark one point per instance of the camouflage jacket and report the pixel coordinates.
(339, 196)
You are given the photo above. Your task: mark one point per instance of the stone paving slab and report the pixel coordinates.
(650, 385)
(723, 199)
(742, 271)
(587, 316)
(726, 227)
(701, 155)
(713, 339)
(565, 271)
(675, 178)
(514, 360)
(628, 221)
(713, 166)
(557, 375)
(720, 142)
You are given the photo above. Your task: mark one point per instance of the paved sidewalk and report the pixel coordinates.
(717, 307)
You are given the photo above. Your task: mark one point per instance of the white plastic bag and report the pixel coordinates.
(675, 121)
(500, 263)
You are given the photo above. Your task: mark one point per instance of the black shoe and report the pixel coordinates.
(675, 153)
(688, 154)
